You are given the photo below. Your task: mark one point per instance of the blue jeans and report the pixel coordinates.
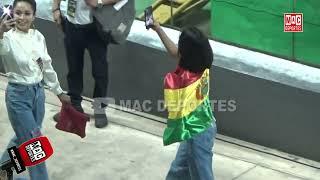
(25, 106)
(194, 158)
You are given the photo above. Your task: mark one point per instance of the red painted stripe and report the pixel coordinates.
(180, 78)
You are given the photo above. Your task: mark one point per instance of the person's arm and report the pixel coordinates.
(50, 77)
(5, 25)
(56, 13)
(4, 47)
(56, 5)
(94, 3)
(168, 43)
(108, 2)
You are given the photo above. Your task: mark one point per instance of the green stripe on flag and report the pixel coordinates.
(187, 127)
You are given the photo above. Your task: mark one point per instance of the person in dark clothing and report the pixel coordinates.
(80, 34)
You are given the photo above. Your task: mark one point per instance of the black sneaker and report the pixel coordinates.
(101, 120)
(56, 117)
(78, 108)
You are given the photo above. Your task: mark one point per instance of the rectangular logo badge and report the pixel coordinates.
(293, 22)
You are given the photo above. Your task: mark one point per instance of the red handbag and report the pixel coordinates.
(72, 121)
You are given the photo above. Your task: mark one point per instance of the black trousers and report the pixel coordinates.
(77, 39)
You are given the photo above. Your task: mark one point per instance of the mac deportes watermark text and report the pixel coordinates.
(148, 105)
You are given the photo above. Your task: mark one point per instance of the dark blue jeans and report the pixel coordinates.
(26, 108)
(194, 158)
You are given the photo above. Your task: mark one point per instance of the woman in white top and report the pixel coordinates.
(28, 66)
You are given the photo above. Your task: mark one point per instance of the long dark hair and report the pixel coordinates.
(195, 50)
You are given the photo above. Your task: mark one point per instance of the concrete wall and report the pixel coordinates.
(267, 113)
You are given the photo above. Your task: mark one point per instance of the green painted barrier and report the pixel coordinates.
(259, 25)
(142, 4)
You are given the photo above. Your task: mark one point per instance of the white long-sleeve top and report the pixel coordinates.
(20, 52)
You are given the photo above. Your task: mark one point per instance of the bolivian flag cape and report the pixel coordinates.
(186, 96)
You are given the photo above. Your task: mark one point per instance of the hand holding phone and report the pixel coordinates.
(148, 17)
(6, 10)
(6, 22)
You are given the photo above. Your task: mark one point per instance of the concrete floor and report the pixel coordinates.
(130, 148)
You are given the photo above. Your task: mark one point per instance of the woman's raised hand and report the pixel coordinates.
(6, 24)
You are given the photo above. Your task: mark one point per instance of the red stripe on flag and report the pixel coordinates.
(180, 78)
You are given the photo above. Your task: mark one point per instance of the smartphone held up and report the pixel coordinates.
(148, 17)
(6, 10)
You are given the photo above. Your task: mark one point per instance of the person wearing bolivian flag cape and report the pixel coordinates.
(190, 117)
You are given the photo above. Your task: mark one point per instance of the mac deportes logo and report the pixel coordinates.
(293, 22)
